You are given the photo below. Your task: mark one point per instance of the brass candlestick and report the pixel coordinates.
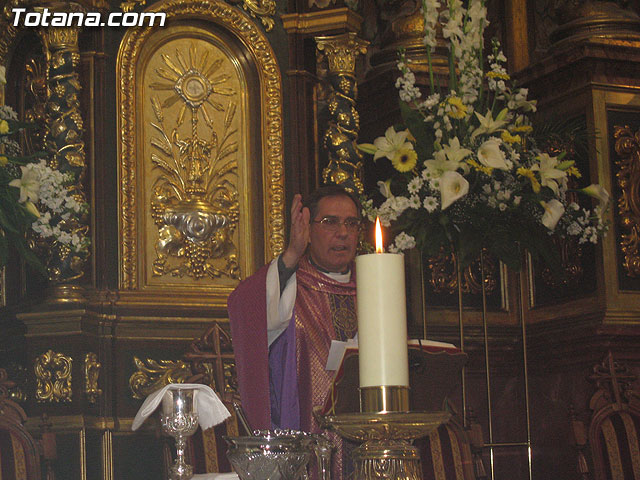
(384, 398)
(386, 450)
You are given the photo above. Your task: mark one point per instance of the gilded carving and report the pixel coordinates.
(387, 468)
(150, 375)
(129, 5)
(627, 146)
(340, 139)
(65, 262)
(53, 376)
(9, 32)
(204, 115)
(195, 200)
(263, 9)
(91, 374)
(58, 105)
(441, 274)
(342, 51)
(571, 260)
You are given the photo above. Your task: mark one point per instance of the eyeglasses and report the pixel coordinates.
(332, 224)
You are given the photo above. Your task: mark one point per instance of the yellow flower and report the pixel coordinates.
(3, 160)
(4, 127)
(405, 159)
(458, 109)
(574, 172)
(481, 168)
(522, 129)
(508, 138)
(525, 172)
(501, 76)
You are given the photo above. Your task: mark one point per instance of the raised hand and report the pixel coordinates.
(299, 235)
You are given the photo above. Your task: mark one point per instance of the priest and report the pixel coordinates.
(284, 317)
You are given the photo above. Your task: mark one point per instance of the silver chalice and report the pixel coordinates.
(179, 420)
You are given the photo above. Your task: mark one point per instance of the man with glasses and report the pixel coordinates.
(284, 317)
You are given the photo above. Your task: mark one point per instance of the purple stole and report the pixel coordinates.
(291, 364)
(321, 303)
(279, 386)
(247, 306)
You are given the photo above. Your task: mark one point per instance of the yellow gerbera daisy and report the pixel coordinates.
(525, 172)
(522, 129)
(405, 159)
(4, 127)
(458, 109)
(3, 160)
(481, 168)
(508, 138)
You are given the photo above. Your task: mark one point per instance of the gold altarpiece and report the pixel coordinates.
(198, 159)
(191, 136)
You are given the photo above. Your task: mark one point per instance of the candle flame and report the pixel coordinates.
(379, 247)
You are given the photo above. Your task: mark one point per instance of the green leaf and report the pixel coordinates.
(31, 258)
(419, 129)
(6, 224)
(4, 248)
(369, 148)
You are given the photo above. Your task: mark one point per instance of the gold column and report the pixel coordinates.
(345, 160)
(65, 265)
(516, 43)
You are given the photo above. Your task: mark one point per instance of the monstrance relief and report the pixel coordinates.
(193, 149)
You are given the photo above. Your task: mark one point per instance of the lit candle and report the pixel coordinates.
(382, 318)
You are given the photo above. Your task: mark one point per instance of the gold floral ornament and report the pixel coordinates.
(53, 375)
(150, 375)
(92, 369)
(194, 202)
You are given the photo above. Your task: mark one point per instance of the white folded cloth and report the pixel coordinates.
(215, 476)
(206, 403)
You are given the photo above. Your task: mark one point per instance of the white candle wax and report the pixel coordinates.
(382, 320)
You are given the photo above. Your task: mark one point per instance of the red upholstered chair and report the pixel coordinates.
(612, 438)
(19, 454)
(452, 452)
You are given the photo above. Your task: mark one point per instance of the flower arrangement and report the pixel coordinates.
(468, 172)
(34, 198)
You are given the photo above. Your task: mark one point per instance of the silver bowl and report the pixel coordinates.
(279, 455)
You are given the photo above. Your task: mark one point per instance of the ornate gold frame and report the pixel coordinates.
(268, 177)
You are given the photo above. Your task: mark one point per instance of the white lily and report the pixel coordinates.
(598, 192)
(385, 188)
(440, 164)
(453, 186)
(31, 208)
(455, 153)
(553, 210)
(490, 154)
(389, 145)
(29, 185)
(488, 124)
(549, 173)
